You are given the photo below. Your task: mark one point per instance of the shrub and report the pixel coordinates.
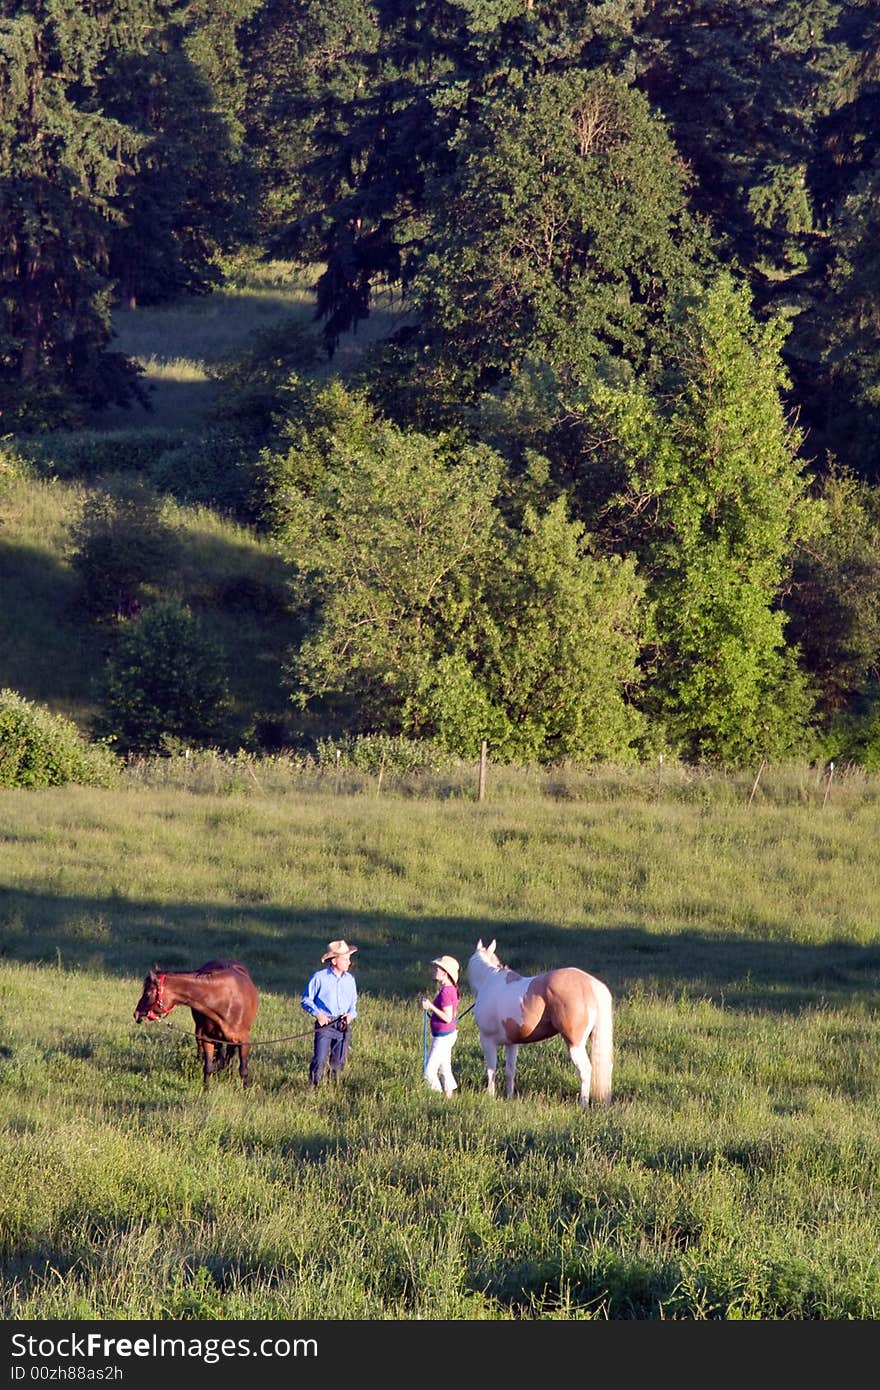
(164, 682)
(41, 749)
(120, 543)
(13, 463)
(212, 470)
(252, 383)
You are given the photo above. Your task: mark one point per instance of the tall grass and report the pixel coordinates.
(733, 1176)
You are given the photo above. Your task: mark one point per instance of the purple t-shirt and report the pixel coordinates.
(448, 995)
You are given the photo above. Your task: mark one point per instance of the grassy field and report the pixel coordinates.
(735, 1174)
(178, 344)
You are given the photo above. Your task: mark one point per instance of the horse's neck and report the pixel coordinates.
(479, 973)
(500, 973)
(503, 979)
(180, 986)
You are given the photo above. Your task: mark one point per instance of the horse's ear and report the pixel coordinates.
(480, 944)
(491, 947)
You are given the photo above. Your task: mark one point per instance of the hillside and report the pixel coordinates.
(229, 575)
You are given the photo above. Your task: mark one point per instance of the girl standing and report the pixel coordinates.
(441, 1013)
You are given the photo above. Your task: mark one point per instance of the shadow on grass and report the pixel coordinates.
(45, 654)
(281, 947)
(173, 404)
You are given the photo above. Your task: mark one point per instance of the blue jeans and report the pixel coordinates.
(331, 1043)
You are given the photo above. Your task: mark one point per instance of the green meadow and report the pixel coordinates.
(733, 1176)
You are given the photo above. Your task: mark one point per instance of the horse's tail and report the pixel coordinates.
(602, 1045)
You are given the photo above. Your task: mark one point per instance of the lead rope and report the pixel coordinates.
(292, 1037)
(260, 1042)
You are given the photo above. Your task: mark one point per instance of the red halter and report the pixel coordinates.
(158, 1009)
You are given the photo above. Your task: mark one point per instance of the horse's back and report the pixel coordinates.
(243, 990)
(211, 967)
(570, 980)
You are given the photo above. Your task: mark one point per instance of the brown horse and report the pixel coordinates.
(511, 1009)
(223, 1000)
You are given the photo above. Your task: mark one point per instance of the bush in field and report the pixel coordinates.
(41, 749)
(164, 682)
(253, 383)
(214, 469)
(119, 543)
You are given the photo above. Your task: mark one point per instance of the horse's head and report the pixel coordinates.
(483, 956)
(150, 1005)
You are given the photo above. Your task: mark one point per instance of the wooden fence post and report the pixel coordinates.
(482, 791)
(756, 781)
(828, 785)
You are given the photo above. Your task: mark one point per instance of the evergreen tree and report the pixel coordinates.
(62, 159)
(834, 603)
(184, 202)
(743, 84)
(438, 66)
(715, 505)
(305, 61)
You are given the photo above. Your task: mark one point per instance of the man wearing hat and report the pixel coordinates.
(331, 998)
(442, 1011)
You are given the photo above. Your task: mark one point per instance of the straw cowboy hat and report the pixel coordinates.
(338, 948)
(450, 965)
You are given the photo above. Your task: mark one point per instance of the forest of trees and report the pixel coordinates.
(610, 486)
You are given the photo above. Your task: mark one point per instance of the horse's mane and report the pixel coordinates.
(497, 964)
(211, 967)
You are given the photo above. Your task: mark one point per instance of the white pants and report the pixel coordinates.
(438, 1067)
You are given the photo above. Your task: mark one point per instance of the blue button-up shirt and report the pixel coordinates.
(329, 993)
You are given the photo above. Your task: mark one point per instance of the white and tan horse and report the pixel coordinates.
(511, 1009)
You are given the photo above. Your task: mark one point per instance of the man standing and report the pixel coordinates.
(331, 998)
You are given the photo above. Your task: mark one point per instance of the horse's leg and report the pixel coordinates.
(243, 1050)
(490, 1053)
(510, 1053)
(581, 1058)
(208, 1052)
